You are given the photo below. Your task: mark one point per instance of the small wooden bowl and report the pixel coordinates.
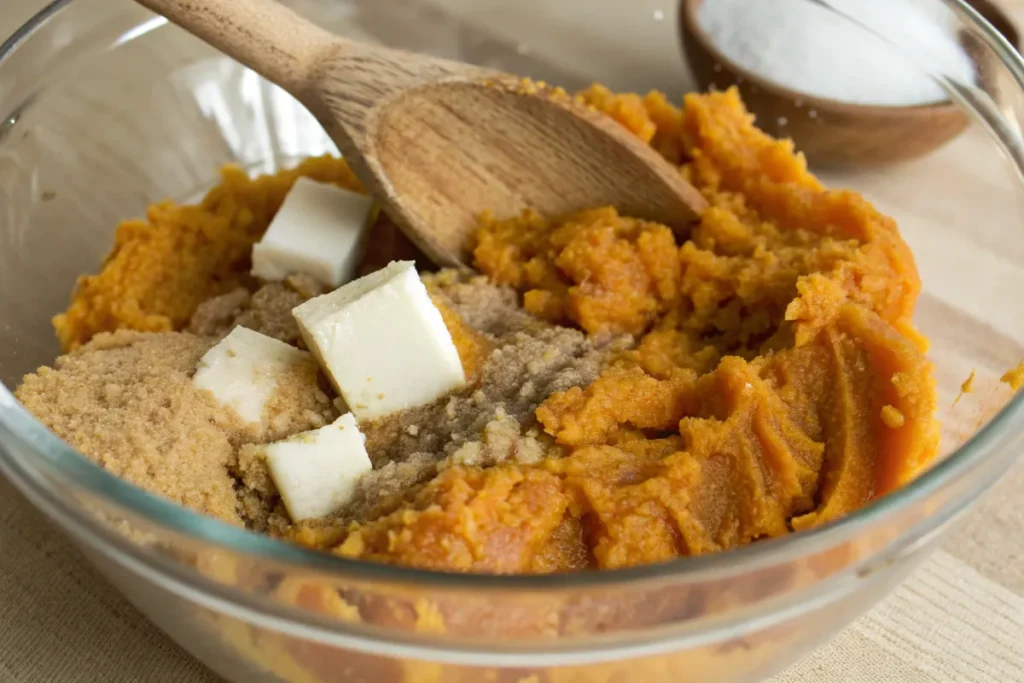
(834, 134)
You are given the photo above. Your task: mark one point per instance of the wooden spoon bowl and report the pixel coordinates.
(834, 134)
(439, 142)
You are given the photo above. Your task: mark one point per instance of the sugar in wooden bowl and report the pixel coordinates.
(846, 97)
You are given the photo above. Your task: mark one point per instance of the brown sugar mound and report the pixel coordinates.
(126, 401)
(163, 267)
(268, 310)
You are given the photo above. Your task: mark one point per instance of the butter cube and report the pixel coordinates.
(382, 342)
(242, 370)
(316, 472)
(318, 231)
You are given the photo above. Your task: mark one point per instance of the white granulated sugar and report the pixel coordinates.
(807, 48)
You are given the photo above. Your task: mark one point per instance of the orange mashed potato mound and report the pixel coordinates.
(161, 268)
(776, 384)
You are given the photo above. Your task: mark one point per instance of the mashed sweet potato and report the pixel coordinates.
(163, 267)
(777, 382)
(773, 380)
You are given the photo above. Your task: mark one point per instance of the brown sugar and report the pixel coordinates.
(215, 317)
(126, 400)
(268, 310)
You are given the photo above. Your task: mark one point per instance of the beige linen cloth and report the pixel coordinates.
(959, 618)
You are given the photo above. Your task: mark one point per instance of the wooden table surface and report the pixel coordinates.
(49, 628)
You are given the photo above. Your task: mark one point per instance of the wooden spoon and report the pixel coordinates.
(439, 142)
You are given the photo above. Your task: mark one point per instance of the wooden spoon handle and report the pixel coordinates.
(264, 35)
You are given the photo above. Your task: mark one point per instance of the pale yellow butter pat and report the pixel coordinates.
(319, 231)
(316, 472)
(242, 370)
(382, 342)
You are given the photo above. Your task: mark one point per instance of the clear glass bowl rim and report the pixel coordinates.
(66, 464)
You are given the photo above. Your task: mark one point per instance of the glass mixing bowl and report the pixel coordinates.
(104, 107)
